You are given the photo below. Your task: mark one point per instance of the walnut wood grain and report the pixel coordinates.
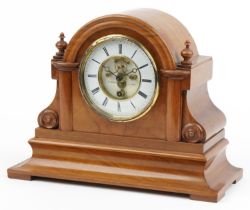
(178, 146)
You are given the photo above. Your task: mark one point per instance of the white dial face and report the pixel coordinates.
(118, 78)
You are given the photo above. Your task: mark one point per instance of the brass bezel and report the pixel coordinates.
(85, 95)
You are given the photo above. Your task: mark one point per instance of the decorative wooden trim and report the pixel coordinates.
(63, 66)
(61, 46)
(48, 118)
(195, 110)
(193, 133)
(175, 74)
(187, 54)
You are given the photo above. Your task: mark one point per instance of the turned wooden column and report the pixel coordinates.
(64, 75)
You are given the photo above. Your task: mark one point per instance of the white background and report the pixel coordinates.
(28, 32)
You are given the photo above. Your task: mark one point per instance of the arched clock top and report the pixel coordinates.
(160, 33)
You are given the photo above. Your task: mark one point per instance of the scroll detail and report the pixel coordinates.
(193, 133)
(48, 118)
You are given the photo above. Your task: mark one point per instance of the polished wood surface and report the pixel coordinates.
(179, 146)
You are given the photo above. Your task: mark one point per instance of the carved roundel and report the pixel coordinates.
(193, 133)
(48, 119)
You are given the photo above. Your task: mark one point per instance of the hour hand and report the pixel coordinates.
(109, 72)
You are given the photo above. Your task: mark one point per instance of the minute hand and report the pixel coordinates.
(132, 71)
(136, 69)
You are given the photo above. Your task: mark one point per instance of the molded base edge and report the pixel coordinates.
(199, 176)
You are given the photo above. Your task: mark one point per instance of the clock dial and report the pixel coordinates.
(118, 78)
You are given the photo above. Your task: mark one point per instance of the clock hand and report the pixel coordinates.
(119, 77)
(134, 70)
(112, 73)
(107, 69)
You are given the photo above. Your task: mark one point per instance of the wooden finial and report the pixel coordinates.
(61, 46)
(187, 54)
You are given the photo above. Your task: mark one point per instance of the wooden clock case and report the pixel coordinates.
(179, 146)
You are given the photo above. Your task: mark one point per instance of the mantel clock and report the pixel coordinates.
(132, 109)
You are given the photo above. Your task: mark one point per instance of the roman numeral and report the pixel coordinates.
(92, 75)
(134, 54)
(142, 94)
(106, 51)
(95, 61)
(105, 102)
(118, 106)
(143, 66)
(146, 80)
(120, 48)
(132, 104)
(96, 90)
